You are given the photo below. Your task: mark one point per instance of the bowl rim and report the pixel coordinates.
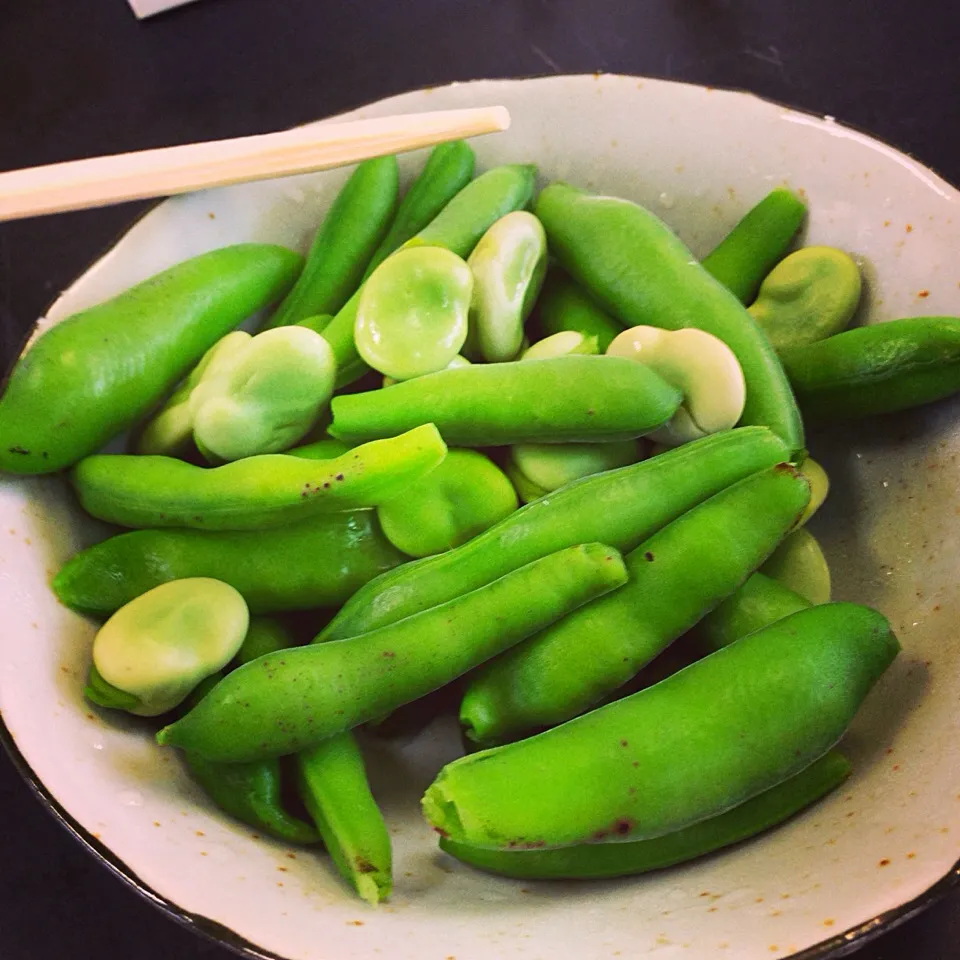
(832, 948)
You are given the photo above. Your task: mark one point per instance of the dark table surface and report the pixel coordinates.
(86, 78)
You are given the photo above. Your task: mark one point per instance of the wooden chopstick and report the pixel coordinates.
(98, 181)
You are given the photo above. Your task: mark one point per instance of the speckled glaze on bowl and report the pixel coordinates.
(867, 856)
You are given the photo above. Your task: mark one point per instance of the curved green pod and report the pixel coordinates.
(563, 306)
(320, 562)
(704, 740)
(281, 704)
(882, 368)
(636, 267)
(622, 507)
(596, 861)
(333, 786)
(676, 576)
(251, 793)
(449, 168)
(348, 236)
(759, 602)
(98, 372)
(255, 493)
(573, 398)
(811, 295)
(457, 228)
(756, 243)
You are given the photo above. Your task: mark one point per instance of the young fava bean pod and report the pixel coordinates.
(249, 395)
(448, 169)
(157, 648)
(882, 368)
(98, 372)
(752, 248)
(799, 564)
(412, 312)
(508, 265)
(564, 307)
(255, 493)
(316, 563)
(633, 264)
(579, 398)
(334, 789)
(676, 576)
(351, 231)
(809, 296)
(698, 364)
(457, 228)
(758, 603)
(693, 746)
(458, 499)
(594, 861)
(622, 507)
(279, 705)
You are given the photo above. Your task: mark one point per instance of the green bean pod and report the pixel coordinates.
(457, 228)
(756, 243)
(595, 861)
(882, 368)
(637, 268)
(255, 493)
(351, 231)
(621, 507)
(704, 740)
(96, 373)
(448, 169)
(334, 789)
(562, 305)
(573, 398)
(251, 793)
(320, 562)
(759, 602)
(264, 635)
(676, 576)
(278, 705)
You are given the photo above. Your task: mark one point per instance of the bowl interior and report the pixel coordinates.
(699, 158)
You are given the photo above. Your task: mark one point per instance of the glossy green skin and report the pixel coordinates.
(317, 563)
(564, 306)
(251, 793)
(811, 295)
(621, 507)
(694, 745)
(754, 246)
(676, 576)
(252, 494)
(317, 323)
(320, 450)
(334, 789)
(448, 169)
(462, 497)
(457, 228)
(264, 635)
(595, 861)
(759, 602)
(877, 369)
(349, 235)
(574, 398)
(279, 705)
(637, 268)
(96, 373)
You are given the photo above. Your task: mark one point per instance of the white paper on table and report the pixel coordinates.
(147, 8)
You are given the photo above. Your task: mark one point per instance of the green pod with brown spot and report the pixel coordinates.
(701, 742)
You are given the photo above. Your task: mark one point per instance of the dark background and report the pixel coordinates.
(83, 77)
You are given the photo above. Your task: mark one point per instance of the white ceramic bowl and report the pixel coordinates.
(865, 857)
